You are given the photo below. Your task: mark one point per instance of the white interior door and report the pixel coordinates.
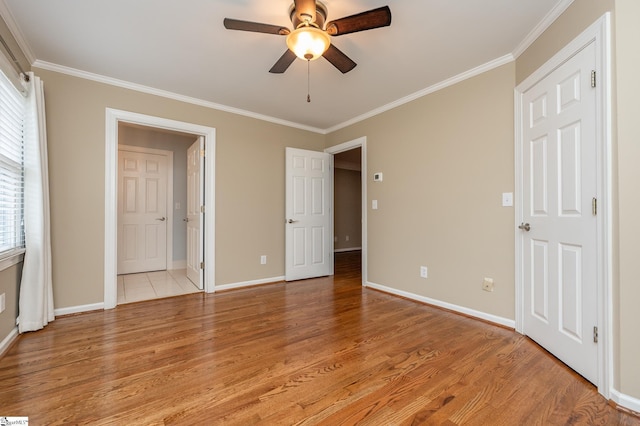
(195, 188)
(308, 235)
(142, 212)
(559, 229)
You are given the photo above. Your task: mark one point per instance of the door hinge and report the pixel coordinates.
(595, 334)
(593, 78)
(201, 265)
(201, 209)
(594, 206)
(202, 152)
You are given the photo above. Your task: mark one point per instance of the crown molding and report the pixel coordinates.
(207, 104)
(424, 92)
(166, 94)
(542, 27)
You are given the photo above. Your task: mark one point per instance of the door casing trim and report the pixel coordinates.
(113, 117)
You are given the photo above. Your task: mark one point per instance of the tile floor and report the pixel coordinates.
(153, 285)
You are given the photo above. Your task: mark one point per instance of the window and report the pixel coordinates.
(12, 113)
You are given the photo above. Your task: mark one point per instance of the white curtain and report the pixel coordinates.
(36, 290)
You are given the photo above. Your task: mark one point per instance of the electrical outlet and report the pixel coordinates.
(263, 259)
(424, 273)
(487, 284)
(2, 302)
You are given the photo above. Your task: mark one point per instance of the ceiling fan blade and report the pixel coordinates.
(256, 27)
(305, 10)
(339, 59)
(375, 18)
(283, 63)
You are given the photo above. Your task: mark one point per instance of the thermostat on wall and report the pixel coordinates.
(377, 177)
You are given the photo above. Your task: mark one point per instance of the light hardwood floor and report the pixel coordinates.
(321, 351)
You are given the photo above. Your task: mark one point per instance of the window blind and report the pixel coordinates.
(12, 113)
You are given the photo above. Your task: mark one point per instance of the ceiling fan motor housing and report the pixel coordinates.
(321, 16)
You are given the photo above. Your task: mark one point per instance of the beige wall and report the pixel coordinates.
(628, 138)
(446, 160)
(9, 285)
(347, 208)
(249, 183)
(573, 21)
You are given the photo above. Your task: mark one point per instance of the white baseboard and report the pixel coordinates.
(461, 309)
(7, 341)
(78, 309)
(248, 283)
(625, 401)
(342, 250)
(179, 264)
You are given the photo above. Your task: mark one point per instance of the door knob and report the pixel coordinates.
(525, 227)
(162, 219)
(292, 221)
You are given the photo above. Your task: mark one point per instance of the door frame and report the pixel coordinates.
(347, 146)
(598, 33)
(169, 216)
(113, 117)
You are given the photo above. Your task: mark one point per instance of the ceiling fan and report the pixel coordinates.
(309, 40)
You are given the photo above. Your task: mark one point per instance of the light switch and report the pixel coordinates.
(377, 177)
(507, 199)
(374, 204)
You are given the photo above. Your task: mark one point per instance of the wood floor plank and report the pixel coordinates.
(322, 351)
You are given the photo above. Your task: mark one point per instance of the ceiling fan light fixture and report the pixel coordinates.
(308, 42)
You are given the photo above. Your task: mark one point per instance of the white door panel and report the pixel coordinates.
(142, 212)
(559, 184)
(195, 188)
(309, 251)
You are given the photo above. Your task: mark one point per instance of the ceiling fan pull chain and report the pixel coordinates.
(308, 81)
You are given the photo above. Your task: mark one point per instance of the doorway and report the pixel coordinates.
(347, 206)
(113, 119)
(344, 157)
(153, 189)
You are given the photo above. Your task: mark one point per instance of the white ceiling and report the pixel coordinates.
(182, 47)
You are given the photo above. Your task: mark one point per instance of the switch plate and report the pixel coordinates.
(263, 259)
(424, 272)
(507, 199)
(2, 302)
(377, 177)
(374, 204)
